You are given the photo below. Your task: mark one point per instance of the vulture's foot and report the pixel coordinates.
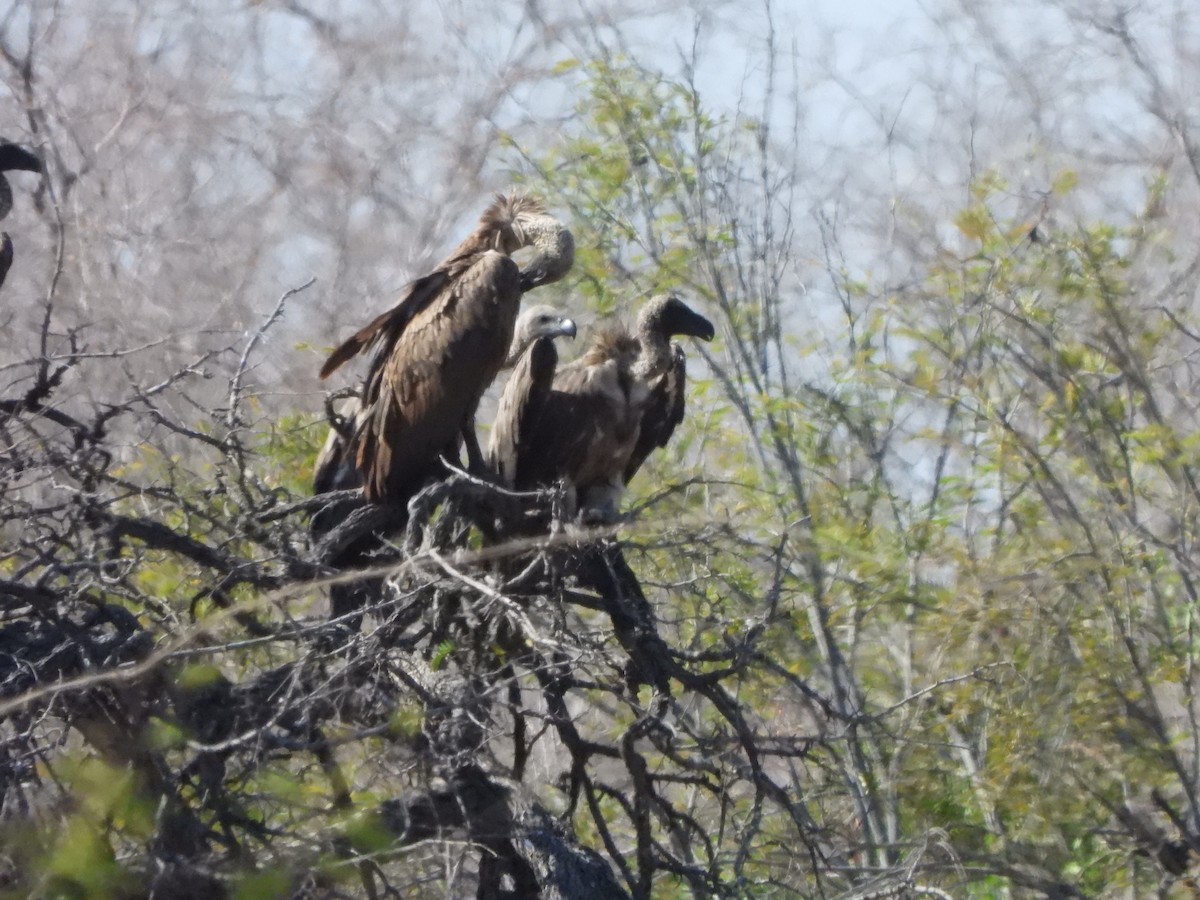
(563, 504)
(594, 516)
(600, 504)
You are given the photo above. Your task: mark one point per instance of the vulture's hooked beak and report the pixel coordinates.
(14, 157)
(698, 326)
(531, 277)
(554, 254)
(566, 327)
(671, 316)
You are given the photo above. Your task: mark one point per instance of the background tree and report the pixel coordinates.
(908, 611)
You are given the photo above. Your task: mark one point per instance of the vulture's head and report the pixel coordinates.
(670, 316)
(543, 321)
(13, 157)
(538, 322)
(519, 220)
(553, 255)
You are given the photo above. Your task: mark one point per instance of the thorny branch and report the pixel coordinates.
(477, 661)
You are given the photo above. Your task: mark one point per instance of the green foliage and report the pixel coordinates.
(1064, 569)
(441, 654)
(268, 885)
(79, 858)
(945, 545)
(981, 497)
(629, 171)
(82, 864)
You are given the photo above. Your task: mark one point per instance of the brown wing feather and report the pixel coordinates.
(389, 325)
(515, 431)
(586, 430)
(562, 441)
(502, 441)
(663, 412)
(425, 388)
(332, 469)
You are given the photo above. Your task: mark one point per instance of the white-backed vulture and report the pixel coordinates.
(12, 157)
(334, 468)
(441, 346)
(662, 368)
(534, 361)
(533, 355)
(588, 426)
(609, 409)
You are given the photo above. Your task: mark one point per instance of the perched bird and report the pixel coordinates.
(12, 157)
(662, 368)
(533, 360)
(587, 428)
(532, 354)
(334, 468)
(442, 345)
(605, 413)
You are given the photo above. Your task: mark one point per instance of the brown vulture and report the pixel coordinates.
(12, 157)
(533, 360)
(606, 412)
(442, 345)
(334, 470)
(661, 367)
(532, 353)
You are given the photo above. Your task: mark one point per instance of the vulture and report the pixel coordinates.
(605, 413)
(661, 367)
(12, 157)
(441, 346)
(334, 470)
(532, 353)
(533, 360)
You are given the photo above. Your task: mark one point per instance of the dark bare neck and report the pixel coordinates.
(655, 355)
